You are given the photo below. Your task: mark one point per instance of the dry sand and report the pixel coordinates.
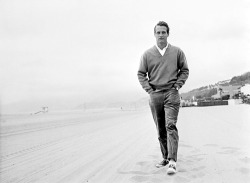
(122, 146)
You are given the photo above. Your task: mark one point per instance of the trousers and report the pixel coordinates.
(165, 106)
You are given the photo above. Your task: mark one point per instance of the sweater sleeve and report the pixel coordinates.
(142, 74)
(183, 71)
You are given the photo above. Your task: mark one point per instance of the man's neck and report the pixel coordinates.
(162, 45)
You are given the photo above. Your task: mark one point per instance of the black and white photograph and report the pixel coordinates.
(124, 91)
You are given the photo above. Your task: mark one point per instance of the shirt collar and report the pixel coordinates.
(163, 50)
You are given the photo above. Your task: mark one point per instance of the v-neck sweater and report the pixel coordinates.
(157, 72)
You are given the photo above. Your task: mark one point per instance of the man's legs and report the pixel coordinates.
(171, 107)
(165, 109)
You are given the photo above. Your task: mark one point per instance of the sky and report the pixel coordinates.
(91, 49)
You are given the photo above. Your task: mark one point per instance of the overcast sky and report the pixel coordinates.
(91, 48)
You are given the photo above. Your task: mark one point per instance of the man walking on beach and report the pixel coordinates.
(162, 72)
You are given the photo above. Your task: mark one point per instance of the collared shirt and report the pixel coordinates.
(163, 50)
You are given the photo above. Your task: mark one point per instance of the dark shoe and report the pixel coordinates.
(163, 163)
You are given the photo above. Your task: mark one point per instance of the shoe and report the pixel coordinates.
(162, 164)
(171, 168)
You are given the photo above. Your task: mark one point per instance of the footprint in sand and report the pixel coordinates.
(229, 150)
(179, 179)
(198, 175)
(245, 171)
(160, 179)
(198, 168)
(245, 160)
(138, 178)
(211, 145)
(195, 157)
(184, 145)
(142, 163)
(188, 168)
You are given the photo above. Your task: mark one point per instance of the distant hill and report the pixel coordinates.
(240, 80)
(210, 90)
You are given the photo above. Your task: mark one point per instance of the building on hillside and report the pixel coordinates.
(230, 90)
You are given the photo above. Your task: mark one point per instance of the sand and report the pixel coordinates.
(122, 146)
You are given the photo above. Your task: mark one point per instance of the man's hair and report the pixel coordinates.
(162, 23)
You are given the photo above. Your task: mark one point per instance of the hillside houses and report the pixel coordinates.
(230, 90)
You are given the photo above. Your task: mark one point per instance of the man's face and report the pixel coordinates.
(161, 34)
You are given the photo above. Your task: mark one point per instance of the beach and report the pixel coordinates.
(114, 145)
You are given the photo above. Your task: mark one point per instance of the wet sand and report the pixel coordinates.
(122, 146)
